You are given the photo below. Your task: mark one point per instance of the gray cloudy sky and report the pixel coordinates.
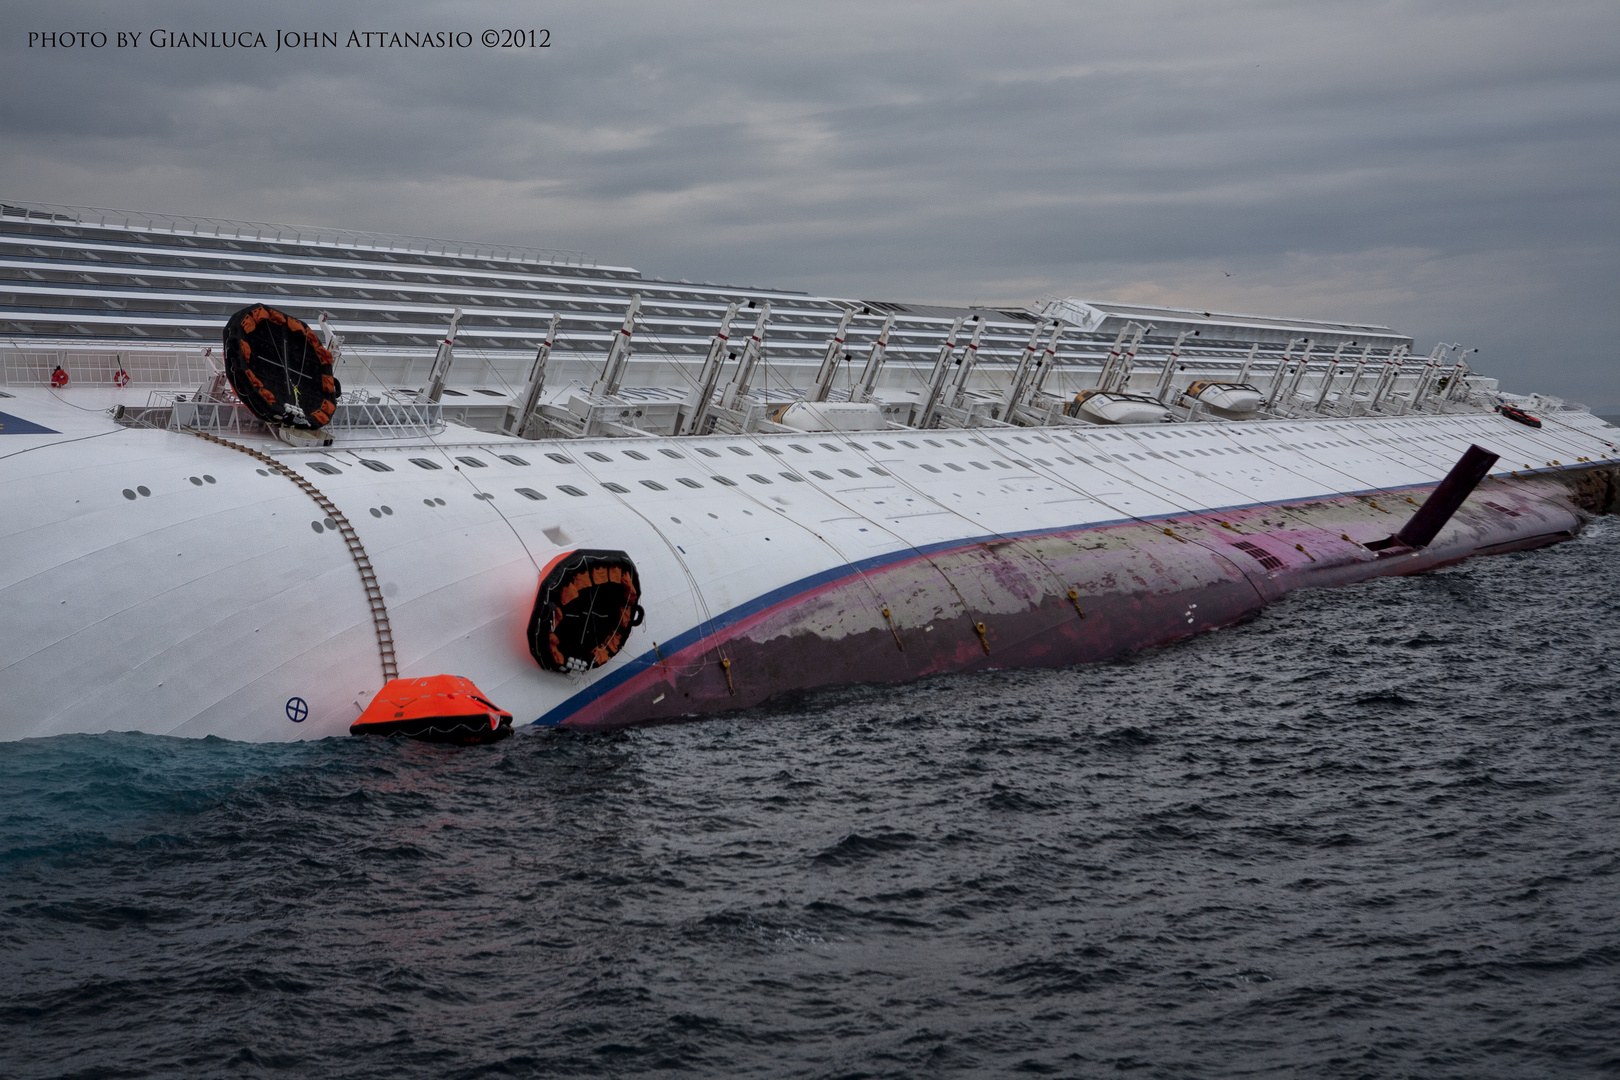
(1447, 168)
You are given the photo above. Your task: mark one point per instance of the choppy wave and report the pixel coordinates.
(1375, 832)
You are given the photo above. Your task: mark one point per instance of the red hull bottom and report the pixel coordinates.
(1062, 598)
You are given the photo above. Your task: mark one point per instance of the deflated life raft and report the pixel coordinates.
(439, 708)
(279, 368)
(584, 610)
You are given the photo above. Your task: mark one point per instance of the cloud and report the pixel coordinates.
(1447, 169)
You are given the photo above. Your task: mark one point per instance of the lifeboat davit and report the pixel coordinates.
(439, 708)
(1235, 399)
(1106, 407)
(832, 416)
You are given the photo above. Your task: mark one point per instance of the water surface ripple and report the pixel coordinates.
(1373, 833)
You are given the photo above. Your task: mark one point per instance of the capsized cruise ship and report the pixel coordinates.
(603, 499)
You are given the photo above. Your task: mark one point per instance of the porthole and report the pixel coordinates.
(196, 480)
(655, 485)
(262, 472)
(530, 493)
(424, 463)
(129, 494)
(317, 526)
(376, 466)
(427, 502)
(389, 510)
(209, 479)
(376, 513)
(570, 489)
(512, 459)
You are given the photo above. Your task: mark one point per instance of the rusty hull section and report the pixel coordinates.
(1051, 599)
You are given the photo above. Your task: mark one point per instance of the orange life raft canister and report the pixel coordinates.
(439, 708)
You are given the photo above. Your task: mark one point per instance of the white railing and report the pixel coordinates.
(142, 221)
(33, 367)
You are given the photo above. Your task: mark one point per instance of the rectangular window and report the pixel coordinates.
(758, 478)
(530, 493)
(323, 468)
(935, 442)
(884, 445)
(560, 459)
(424, 463)
(912, 445)
(706, 452)
(795, 477)
(669, 453)
(597, 455)
(979, 465)
(655, 485)
(771, 450)
(636, 455)
(1043, 461)
(875, 469)
(954, 466)
(850, 472)
(739, 450)
(857, 446)
(829, 446)
(724, 481)
(800, 449)
(619, 488)
(512, 459)
(930, 468)
(570, 489)
(376, 466)
(473, 462)
(819, 473)
(688, 481)
(1003, 464)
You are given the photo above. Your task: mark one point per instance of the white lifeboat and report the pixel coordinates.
(832, 416)
(1102, 407)
(1237, 399)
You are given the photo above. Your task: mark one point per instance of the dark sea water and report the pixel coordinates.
(1373, 833)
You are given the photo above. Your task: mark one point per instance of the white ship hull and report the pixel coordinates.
(213, 606)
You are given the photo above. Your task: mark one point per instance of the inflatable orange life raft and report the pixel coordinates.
(439, 708)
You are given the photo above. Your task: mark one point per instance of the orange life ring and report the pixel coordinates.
(59, 378)
(120, 377)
